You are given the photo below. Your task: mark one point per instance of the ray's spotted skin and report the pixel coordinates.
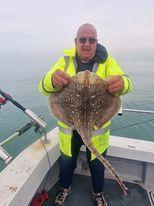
(84, 105)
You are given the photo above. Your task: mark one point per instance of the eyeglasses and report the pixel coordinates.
(83, 40)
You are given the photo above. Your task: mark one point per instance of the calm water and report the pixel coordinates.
(20, 74)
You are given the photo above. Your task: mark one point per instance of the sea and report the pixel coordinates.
(20, 73)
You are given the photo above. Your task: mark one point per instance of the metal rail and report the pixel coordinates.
(138, 111)
(4, 155)
(18, 133)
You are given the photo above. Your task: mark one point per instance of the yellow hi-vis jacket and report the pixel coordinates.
(110, 67)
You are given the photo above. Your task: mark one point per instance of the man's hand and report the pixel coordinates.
(115, 84)
(60, 78)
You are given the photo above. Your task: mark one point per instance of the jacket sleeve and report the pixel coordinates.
(113, 69)
(45, 85)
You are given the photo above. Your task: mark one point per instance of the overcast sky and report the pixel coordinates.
(39, 25)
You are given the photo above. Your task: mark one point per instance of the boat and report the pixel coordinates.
(31, 179)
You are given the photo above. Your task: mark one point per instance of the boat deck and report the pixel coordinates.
(81, 193)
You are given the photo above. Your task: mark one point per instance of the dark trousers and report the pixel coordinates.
(68, 165)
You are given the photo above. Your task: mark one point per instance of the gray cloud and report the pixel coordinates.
(39, 25)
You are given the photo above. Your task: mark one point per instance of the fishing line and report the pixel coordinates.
(132, 125)
(39, 134)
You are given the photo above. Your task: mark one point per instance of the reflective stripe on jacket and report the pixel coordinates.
(110, 67)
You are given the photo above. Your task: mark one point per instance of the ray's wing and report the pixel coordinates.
(56, 108)
(65, 104)
(103, 106)
(109, 112)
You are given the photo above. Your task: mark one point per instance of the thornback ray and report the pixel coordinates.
(85, 105)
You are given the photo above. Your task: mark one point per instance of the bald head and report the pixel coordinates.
(86, 42)
(87, 28)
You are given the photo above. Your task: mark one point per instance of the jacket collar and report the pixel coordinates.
(100, 55)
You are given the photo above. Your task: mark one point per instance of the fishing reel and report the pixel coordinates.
(3, 101)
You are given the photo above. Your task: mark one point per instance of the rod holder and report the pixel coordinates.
(35, 118)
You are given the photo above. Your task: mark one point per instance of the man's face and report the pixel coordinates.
(86, 42)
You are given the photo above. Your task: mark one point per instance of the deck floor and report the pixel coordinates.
(81, 194)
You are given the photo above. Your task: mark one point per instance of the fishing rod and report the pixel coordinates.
(28, 112)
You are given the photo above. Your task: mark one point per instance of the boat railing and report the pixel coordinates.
(36, 121)
(138, 111)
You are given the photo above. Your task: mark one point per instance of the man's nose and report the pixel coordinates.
(87, 42)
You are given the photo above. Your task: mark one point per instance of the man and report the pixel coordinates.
(88, 54)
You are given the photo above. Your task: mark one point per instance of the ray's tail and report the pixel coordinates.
(105, 163)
